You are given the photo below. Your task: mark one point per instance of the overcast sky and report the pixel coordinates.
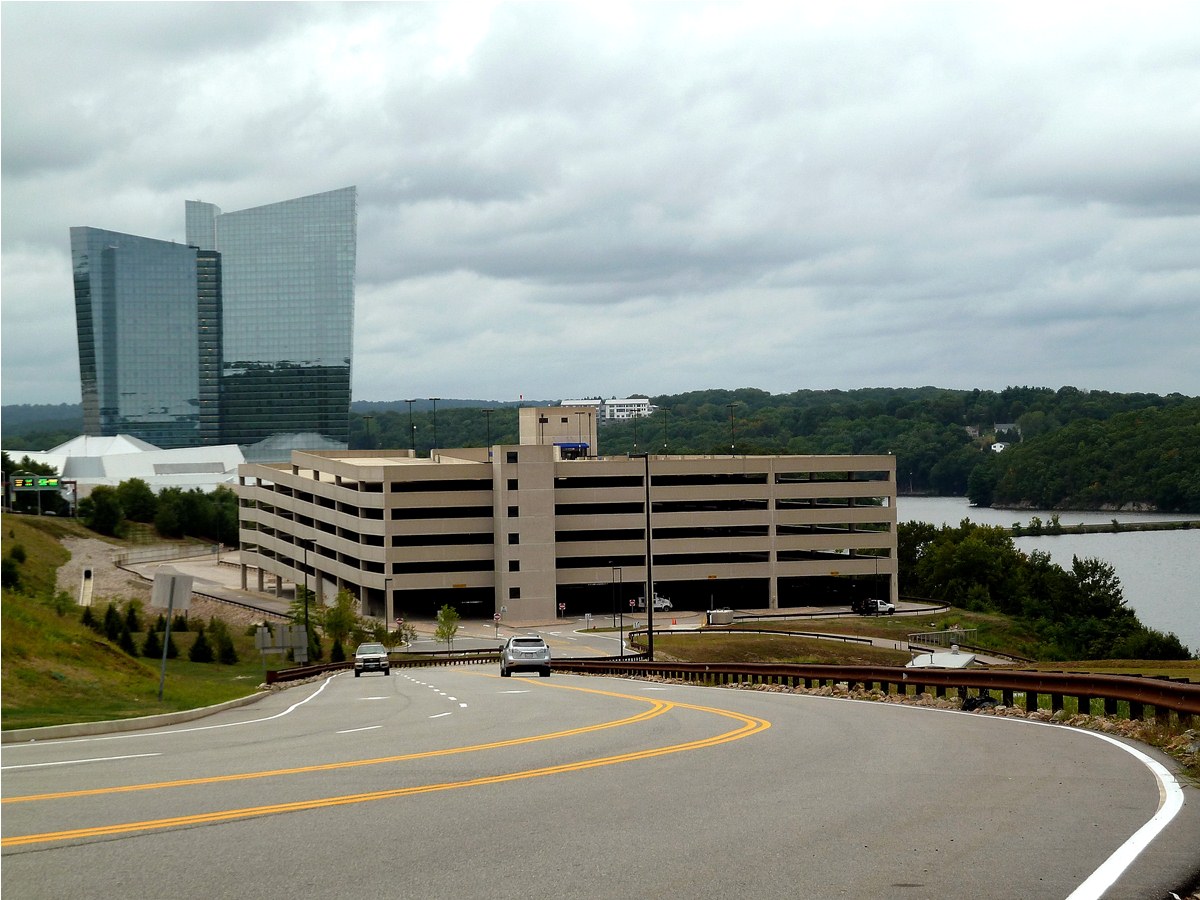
(574, 200)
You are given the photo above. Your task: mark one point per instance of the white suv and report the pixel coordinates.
(371, 658)
(525, 652)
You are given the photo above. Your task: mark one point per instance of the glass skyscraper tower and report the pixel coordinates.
(242, 336)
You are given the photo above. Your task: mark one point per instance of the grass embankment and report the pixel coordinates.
(55, 670)
(994, 632)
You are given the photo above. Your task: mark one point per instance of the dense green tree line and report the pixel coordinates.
(174, 513)
(1078, 614)
(1148, 456)
(1070, 447)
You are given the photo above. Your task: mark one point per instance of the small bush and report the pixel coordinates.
(152, 646)
(125, 642)
(112, 623)
(226, 654)
(201, 651)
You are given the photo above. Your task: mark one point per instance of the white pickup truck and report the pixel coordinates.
(661, 603)
(871, 606)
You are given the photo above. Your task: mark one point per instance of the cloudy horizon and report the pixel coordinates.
(566, 200)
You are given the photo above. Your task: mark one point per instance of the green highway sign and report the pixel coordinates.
(35, 483)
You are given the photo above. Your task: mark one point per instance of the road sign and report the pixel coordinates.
(561, 607)
(632, 603)
(496, 617)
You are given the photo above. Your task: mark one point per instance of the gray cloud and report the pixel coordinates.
(559, 200)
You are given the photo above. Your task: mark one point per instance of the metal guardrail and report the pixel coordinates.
(1164, 695)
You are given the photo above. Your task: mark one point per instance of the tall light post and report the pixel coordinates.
(412, 429)
(307, 639)
(435, 443)
(367, 429)
(613, 582)
(579, 422)
(649, 563)
(621, 611)
(488, 415)
(732, 433)
(387, 602)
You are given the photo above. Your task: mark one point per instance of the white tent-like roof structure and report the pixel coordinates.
(90, 461)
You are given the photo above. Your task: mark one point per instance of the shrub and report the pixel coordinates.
(112, 623)
(125, 642)
(152, 646)
(201, 651)
(226, 654)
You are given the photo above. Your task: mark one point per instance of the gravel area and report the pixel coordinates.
(111, 582)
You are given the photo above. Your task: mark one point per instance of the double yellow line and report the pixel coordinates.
(749, 725)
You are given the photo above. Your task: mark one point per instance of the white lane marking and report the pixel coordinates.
(462, 706)
(514, 692)
(72, 762)
(120, 737)
(375, 698)
(1170, 801)
(439, 715)
(354, 730)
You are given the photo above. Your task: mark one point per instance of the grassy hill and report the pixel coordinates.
(55, 670)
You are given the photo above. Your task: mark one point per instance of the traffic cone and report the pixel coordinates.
(673, 622)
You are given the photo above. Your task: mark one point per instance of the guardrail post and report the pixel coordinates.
(962, 693)
(1006, 697)
(1085, 704)
(1056, 702)
(940, 691)
(1031, 701)
(1136, 710)
(1162, 715)
(1110, 706)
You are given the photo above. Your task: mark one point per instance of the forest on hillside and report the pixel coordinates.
(1067, 448)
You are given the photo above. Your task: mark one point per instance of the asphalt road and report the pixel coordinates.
(451, 782)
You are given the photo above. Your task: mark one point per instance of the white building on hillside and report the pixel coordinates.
(628, 408)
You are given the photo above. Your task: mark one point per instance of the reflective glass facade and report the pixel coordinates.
(135, 311)
(242, 336)
(287, 286)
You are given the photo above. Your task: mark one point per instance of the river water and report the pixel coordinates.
(1159, 570)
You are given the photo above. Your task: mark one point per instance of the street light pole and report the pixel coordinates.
(307, 638)
(621, 611)
(435, 443)
(387, 602)
(732, 434)
(649, 565)
(613, 582)
(488, 415)
(412, 429)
